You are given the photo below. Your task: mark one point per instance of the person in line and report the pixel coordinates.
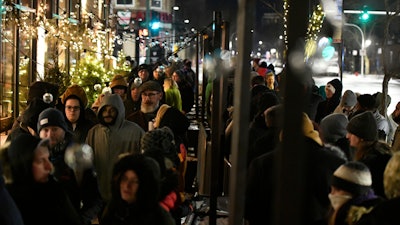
(261, 188)
(151, 95)
(367, 102)
(386, 213)
(113, 136)
(39, 197)
(351, 194)
(135, 193)
(41, 95)
(347, 103)
(186, 90)
(133, 101)
(75, 102)
(119, 86)
(332, 130)
(362, 133)
(79, 182)
(333, 91)
(172, 94)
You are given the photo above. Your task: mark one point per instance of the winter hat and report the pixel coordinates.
(366, 101)
(135, 83)
(75, 90)
(353, 177)
(41, 90)
(364, 126)
(159, 138)
(349, 99)
(333, 127)
(391, 177)
(150, 86)
(337, 84)
(31, 113)
(118, 81)
(51, 117)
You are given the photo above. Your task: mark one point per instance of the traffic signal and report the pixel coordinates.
(364, 15)
(155, 23)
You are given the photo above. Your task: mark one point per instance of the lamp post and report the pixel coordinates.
(362, 52)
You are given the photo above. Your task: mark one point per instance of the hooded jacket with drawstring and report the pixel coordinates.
(109, 141)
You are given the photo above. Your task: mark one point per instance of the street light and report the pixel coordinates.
(362, 52)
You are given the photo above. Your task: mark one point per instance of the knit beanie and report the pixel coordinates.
(158, 139)
(353, 177)
(31, 114)
(160, 142)
(135, 83)
(349, 99)
(333, 127)
(366, 101)
(46, 91)
(118, 81)
(75, 90)
(51, 117)
(364, 126)
(337, 84)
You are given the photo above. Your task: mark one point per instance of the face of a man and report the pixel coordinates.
(150, 101)
(41, 165)
(143, 74)
(54, 133)
(396, 113)
(109, 114)
(72, 110)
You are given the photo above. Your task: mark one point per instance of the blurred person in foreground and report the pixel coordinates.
(351, 194)
(39, 197)
(386, 213)
(135, 193)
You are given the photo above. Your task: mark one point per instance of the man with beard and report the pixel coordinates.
(151, 94)
(114, 135)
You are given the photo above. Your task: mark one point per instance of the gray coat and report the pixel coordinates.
(108, 142)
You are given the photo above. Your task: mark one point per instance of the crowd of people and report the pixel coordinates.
(118, 160)
(352, 166)
(122, 159)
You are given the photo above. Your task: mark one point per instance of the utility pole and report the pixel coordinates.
(362, 51)
(148, 29)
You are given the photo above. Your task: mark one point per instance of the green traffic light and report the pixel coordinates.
(365, 15)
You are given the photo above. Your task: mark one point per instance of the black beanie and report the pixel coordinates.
(366, 101)
(39, 88)
(51, 117)
(364, 126)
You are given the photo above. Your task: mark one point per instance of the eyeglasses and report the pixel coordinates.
(149, 94)
(73, 108)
